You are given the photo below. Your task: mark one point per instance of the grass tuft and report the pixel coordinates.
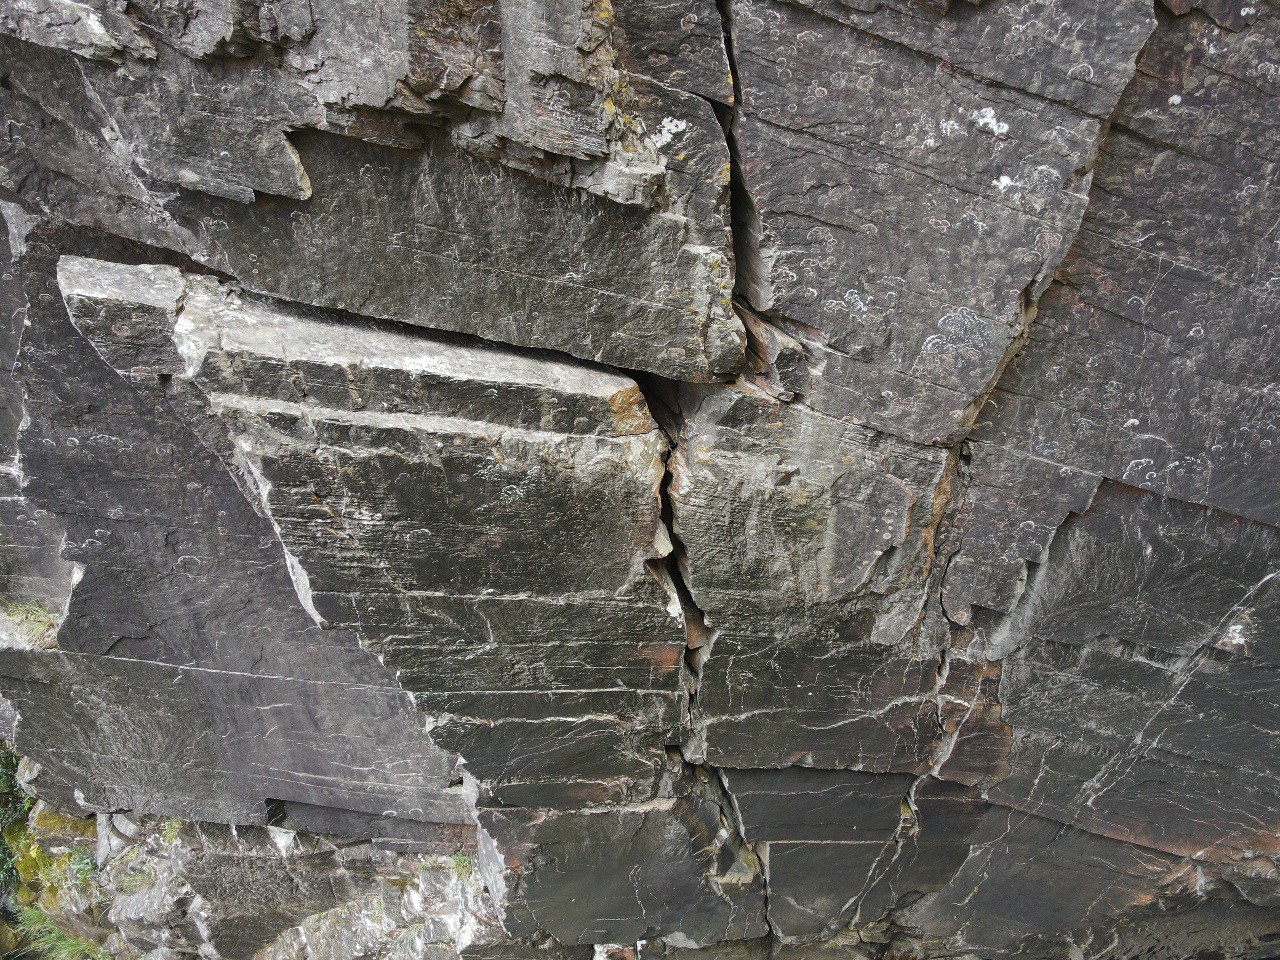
(36, 623)
(140, 878)
(42, 939)
(76, 868)
(461, 865)
(169, 832)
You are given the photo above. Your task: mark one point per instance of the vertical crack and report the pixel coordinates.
(743, 218)
(662, 396)
(776, 360)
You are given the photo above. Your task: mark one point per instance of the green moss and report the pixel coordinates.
(75, 868)
(461, 865)
(169, 832)
(29, 860)
(39, 870)
(14, 807)
(42, 939)
(48, 823)
(33, 876)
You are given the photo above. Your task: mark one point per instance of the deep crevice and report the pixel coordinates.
(663, 399)
(752, 297)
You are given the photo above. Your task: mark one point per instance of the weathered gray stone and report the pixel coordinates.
(718, 480)
(439, 452)
(99, 31)
(823, 599)
(443, 231)
(905, 212)
(665, 870)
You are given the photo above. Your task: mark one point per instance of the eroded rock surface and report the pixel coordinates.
(739, 480)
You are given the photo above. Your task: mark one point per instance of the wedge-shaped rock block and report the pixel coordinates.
(467, 246)
(486, 522)
(1011, 508)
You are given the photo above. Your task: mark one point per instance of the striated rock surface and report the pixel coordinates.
(571, 480)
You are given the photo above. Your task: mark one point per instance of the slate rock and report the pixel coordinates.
(226, 654)
(817, 619)
(439, 451)
(732, 480)
(905, 213)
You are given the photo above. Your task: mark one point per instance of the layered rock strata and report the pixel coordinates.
(511, 479)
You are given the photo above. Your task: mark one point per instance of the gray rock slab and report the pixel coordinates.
(411, 480)
(906, 211)
(817, 623)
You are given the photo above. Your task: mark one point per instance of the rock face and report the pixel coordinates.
(553, 479)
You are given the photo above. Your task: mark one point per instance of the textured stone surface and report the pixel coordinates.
(914, 182)
(570, 480)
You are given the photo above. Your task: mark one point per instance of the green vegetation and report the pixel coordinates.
(169, 832)
(75, 868)
(41, 871)
(32, 876)
(461, 865)
(42, 939)
(14, 807)
(38, 624)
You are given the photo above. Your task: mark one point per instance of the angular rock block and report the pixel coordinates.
(411, 481)
(817, 616)
(914, 182)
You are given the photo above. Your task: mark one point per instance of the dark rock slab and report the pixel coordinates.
(1152, 360)
(1135, 692)
(618, 875)
(818, 805)
(184, 635)
(1065, 882)
(411, 481)
(845, 848)
(817, 618)
(907, 209)
(462, 244)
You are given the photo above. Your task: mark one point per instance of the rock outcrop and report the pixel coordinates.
(572, 480)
